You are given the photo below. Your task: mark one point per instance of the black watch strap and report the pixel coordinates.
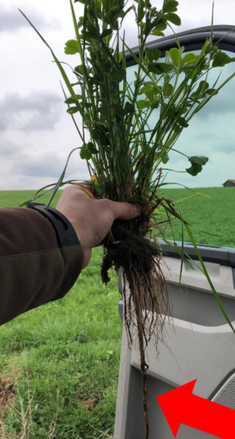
(64, 230)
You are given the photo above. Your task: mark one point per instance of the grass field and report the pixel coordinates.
(211, 214)
(59, 363)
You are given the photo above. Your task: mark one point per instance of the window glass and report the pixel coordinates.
(211, 133)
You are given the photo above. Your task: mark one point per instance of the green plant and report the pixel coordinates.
(126, 157)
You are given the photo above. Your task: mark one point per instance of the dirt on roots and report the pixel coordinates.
(145, 293)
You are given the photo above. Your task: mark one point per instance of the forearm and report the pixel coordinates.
(33, 269)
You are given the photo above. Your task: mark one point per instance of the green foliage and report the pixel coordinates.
(126, 156)
(221, 59)
(197, 162)
(115, 113)
(71, 47)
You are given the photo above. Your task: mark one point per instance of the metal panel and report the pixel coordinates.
(225, 395)
(204, 350)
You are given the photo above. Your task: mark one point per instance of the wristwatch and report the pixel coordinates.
(64, 230)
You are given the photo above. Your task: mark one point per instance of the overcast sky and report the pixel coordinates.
(36, 133)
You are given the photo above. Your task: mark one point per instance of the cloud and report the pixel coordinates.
(27, 167)
(11, 20)
(48, 164)
(213, 140)
(9, 148)
(224, 145)
(221, 105)
(36, 111)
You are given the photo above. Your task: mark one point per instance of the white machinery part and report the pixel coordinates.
(198, 345)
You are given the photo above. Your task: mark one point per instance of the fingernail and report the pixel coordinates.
(137, 208)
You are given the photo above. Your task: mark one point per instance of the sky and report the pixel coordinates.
(36, 133)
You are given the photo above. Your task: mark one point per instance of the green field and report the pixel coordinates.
(59, 363)
(210, 211)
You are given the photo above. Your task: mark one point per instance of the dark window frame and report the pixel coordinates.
(224, 38)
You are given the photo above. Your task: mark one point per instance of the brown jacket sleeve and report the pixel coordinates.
(33, 269)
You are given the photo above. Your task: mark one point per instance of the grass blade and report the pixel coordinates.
(62, 71)
(60, 181)
(208, 278)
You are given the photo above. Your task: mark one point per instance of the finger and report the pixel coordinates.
(89, 184)
(125, 211)
(88, 189)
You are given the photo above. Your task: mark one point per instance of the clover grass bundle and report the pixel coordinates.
(125, 156)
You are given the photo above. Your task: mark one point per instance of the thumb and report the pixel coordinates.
(126, 211)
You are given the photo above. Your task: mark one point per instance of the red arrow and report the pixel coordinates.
(181, 407)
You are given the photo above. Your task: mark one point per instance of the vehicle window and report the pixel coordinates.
(211, 133)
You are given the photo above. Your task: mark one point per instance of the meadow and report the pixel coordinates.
(209, 211)
(59, 363)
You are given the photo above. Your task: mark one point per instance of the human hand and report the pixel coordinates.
(91, 218)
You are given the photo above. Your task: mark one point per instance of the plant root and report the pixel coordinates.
(145, 293)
